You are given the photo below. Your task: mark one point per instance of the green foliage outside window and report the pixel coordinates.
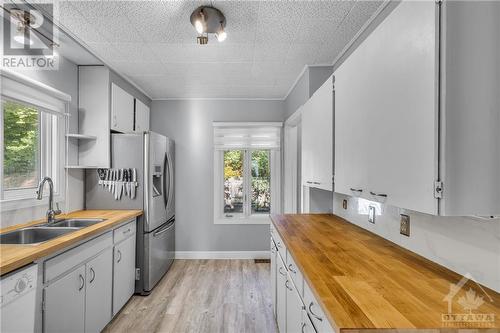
(20, 137)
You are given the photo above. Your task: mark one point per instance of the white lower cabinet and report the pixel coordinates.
(295, 308)
(307, 325)
(65, 303)
(281, 294)
(123, 272)
(315, 312)
(89, 283)
(98, 292)
(274, 254)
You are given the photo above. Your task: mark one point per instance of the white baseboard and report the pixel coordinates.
(222, 255)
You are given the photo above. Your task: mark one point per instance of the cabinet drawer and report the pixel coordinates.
(295, 274)
(75, 256)
(280, 245)
(124, 232)
(315, 312)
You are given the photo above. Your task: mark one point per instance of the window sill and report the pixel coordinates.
(264, 219)
(14, 204)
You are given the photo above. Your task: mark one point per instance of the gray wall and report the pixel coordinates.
(189, 123)
(310, 80)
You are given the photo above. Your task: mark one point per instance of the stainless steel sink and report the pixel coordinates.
(74, 223)
(33, 235)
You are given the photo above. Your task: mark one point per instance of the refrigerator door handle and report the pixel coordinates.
(164, 229)
(166, 189)
(170, 181)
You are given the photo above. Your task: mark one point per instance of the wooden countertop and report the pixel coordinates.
(363, 281)
(15, 256)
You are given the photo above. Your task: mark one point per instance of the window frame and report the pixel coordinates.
(51, 144)
(246, 217)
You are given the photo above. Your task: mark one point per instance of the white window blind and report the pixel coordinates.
(257, 135)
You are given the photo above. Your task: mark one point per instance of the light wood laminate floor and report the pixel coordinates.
(203, 296)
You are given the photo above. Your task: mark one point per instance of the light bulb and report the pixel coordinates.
(199, 26)
(221, 36)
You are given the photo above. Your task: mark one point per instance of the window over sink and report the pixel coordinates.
(246, 172)
(32, 127)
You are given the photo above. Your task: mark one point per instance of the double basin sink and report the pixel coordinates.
(45, 232)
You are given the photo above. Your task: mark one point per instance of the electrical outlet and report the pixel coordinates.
(404, 228)
(371, 214)
(344, 203)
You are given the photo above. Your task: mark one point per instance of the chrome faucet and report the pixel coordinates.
(51, 213)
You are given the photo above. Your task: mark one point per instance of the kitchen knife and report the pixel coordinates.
(134, 179)
(110, 175)
(120, 188)
(125, 179)
(130, 184)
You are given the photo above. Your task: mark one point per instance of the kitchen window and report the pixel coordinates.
(32, 130)
(247, 172)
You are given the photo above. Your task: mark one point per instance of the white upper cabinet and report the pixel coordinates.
(317, 138)
(122, 110)
(103, 106)
(394, 141)
(141, 117)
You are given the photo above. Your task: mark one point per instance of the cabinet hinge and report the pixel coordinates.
(438, 189)
(137, 274)
(43, 300)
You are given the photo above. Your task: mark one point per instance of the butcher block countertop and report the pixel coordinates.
(13, 256)
(363, 281)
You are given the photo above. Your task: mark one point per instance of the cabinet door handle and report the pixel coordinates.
(82, 282)
(313, 314)
(303, 327)
(287, 285)
(290, 268)
(92, 272)
(119, 256)
(378, 194)
(279, 270)
(308, 182)
(126, 231)
(359, 190)
(316, 183)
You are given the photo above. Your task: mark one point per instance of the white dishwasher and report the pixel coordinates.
(18, 300)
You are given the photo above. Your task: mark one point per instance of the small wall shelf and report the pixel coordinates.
(80, 167)
(81, 136)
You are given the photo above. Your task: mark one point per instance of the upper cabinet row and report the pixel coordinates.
(103, 107)
(417, 113)
(317, 138)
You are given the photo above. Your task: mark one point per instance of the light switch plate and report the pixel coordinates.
(404, 228)
(371, 214)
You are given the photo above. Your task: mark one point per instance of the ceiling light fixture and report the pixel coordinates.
(208, 20)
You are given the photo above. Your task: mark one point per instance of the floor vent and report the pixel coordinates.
(262, 261)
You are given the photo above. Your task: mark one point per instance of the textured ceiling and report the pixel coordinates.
(269, 42)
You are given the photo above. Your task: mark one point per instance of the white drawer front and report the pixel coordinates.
(74, 257)
(124, 231)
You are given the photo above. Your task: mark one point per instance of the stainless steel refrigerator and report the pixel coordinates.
(152, 156)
